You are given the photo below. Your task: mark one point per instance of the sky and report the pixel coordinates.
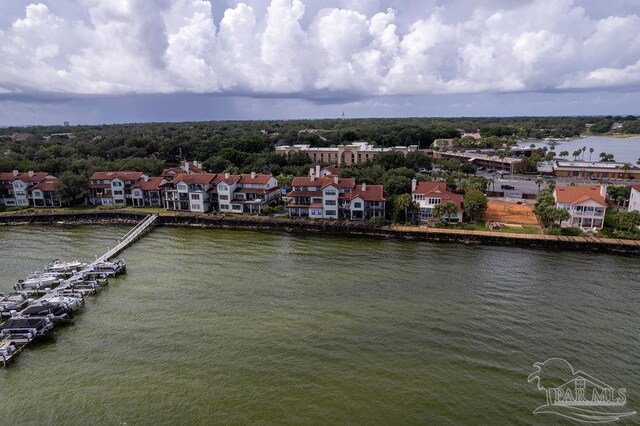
(114, 61)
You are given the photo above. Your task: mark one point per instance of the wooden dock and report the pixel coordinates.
(67, 284)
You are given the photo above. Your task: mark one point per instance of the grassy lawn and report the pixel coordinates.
(528, 230)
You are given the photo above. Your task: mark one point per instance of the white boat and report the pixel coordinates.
(36, 283)
(110, 268)
(13, 302)
(67, 268)
(73, 302)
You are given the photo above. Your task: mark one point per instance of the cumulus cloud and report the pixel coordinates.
(286, 47)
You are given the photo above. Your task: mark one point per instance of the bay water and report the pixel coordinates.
(219, 326)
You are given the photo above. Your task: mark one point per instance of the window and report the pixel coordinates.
(237, 207)
(224, 207)
(182, 187)
(195, 197)
(357, 205)
(331, 212)
(116, 183)
(18, 184)
(196, 207)
(20, 193)
(330, 202)
(224, 187)
(117, 192)
(316, 212)
(330, 192)
(223, 197)
(434, 201)
(418, 197)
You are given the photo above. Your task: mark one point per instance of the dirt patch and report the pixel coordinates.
(500, 211)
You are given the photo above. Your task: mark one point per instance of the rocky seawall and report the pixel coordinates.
(333, 227)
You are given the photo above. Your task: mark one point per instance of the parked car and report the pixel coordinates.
(508, 187)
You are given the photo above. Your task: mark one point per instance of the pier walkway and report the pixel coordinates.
(66, 284)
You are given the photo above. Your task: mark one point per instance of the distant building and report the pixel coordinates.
(355, 153)
(111, 188)
(430, 194)
(586, 206)
(634, 201)
(492, 162)
(595, 170)
(66, 123)
(616, 126)
(20, 137)
(63, 135)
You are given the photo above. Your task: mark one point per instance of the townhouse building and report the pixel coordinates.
(189, 192)
(16, 187)
(247, 193)
(332, 197)
(586, 206)
(147, 192)
(111, 188)
(43, 194)
(185, 167)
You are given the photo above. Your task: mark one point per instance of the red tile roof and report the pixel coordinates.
(196, 178)
(47, 185)
(578, 194)
(128, 175)
(154, 182)
(636, 187)
(259, 179)
(24, 177)
(371, 193)
(439, 190)
(304, 181)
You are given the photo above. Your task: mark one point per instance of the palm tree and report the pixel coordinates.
(539, 182)
(405, 201)
(551, 184)
(584, 148)
(492, 181)
(564, 154)
(590, 152)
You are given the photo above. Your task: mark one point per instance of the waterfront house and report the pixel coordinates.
(586, 206)
(111, 188)
(147, 192)
(16, 187)
(430, 194)
(332, 197)
(634, 201)
(43, 194)
(189, 192)
(247, 193)
(355, 153)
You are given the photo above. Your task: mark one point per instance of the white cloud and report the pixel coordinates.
(350, 47)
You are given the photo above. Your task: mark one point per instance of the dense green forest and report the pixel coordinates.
(249, 145)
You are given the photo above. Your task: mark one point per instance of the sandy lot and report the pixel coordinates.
(500, 211)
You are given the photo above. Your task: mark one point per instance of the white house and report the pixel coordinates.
(147, 192)
(586, 206)
(634, 201)
(430, 194)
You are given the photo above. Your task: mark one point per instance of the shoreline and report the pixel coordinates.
(334, 227)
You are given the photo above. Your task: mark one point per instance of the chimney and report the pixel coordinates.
(253, 175)
(311, 172)
(30, 173)
(226, 175)
(336, 179)
(312, 176)
(15, 173)
(364, 186)
(146, 178)
(414, 185)
(318, 171)
(186, 166)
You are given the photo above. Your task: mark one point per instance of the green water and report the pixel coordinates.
(214, 327)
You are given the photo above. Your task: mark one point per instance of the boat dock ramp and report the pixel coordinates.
(50, 298)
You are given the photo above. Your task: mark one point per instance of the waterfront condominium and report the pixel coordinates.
(246, 193)
(111, 188)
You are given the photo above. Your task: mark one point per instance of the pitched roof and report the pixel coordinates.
(370, 193)
(196, 178)
(47, 184)
(259, 179)
(128, 175)
(636, 187)
(439, 190)
(25, 177)
(343, 183)
(332, 170)
(152, 183)
(578, 194)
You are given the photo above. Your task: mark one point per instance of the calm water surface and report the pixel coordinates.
(216, 326)
(623, 149)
